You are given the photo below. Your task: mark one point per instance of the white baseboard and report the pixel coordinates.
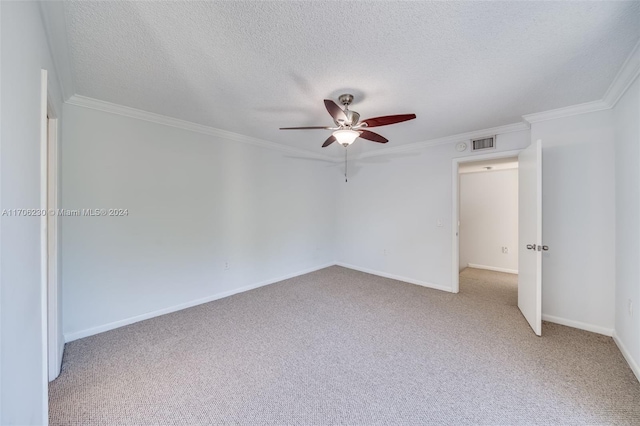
(577, 324)
(75, 335)
(395, 277)
(493, 268)
(627, 355)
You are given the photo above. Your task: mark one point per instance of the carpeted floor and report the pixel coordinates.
(342, 347)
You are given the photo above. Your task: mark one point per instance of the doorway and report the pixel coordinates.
(488, 229)
(458, 163)
(529, 280)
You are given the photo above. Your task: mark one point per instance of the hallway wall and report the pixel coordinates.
(489, 220)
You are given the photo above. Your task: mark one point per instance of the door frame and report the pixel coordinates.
(49, 147)
(455, 210)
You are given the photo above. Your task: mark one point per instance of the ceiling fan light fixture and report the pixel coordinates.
(350, 127)
(346, 137)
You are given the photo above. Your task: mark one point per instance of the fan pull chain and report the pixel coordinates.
(345, 164)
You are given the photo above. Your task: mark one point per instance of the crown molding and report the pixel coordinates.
(55, 26)
(625, 77)
(83, 101)
(515, 127)
(566, 111)
(86, 102)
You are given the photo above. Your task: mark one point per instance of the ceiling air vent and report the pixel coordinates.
(483, 143)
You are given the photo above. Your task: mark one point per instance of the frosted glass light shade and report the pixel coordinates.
(346, 137)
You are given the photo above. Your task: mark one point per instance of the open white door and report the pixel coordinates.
(530, 235)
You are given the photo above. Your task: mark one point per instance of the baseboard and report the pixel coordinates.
(395, 277)
(577, 324)
(69, 337)
(627, 355)
(493, 268)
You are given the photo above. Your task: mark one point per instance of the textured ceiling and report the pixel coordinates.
(252, 67)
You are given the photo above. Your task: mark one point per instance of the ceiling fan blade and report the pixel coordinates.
(365, 134)
(304, 128)
(329, 141)
(388, 119)
(335, 111)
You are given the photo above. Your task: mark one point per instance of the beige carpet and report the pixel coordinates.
(343, 347)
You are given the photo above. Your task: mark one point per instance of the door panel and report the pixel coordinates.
(530, 235)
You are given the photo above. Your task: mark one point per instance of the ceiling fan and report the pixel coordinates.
(349, 127)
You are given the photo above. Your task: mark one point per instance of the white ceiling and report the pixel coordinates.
(252, 67)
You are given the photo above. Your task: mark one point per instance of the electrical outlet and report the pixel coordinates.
(630, 307)
(227, 265)
(505, 250)
(439, 223)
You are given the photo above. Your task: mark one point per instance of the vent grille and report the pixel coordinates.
(484, 143)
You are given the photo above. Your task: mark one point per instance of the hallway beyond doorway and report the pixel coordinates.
(490, 286)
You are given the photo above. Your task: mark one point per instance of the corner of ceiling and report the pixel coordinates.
(53, 18)
(625, 77)
(54, 21)
(622, 81)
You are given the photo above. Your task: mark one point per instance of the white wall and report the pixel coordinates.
(627, 174)
(194, 203)
(395, 203)
(24, 53)
(489, 219)
(578, 211)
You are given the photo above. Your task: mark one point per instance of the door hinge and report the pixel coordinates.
(541, 248)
